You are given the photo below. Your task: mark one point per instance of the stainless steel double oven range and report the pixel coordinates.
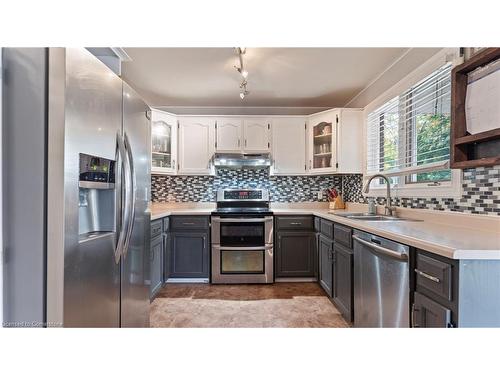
(242, 237)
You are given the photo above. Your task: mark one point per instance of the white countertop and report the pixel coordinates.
(158, 211)
(462, 240)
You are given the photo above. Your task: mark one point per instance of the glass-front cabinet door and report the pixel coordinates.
(323, 142)
(163, 143)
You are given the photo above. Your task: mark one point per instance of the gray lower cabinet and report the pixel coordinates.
(325, 263)
(427, 313)
(188, 254)
(435, 285)
(342, 288)
(295, 254)
(156, 256)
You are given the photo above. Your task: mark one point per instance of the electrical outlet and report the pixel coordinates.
(320, 194)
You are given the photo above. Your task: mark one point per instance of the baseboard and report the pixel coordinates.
(188, 281)
(295, 280)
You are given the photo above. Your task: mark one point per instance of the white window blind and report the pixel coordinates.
(411, 132)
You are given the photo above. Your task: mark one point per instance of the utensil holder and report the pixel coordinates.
(337, 204)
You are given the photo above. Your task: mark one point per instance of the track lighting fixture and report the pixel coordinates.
(244, 73)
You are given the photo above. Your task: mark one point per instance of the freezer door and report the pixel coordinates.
(135, 277)
(93, 120)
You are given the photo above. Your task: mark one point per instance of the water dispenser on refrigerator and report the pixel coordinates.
(97, 199)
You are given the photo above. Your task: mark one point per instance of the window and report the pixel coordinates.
(410, 134)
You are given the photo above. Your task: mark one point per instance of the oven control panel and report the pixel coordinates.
(242, 195)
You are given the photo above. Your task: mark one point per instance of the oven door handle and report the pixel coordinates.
(242, 220)
(243, 248)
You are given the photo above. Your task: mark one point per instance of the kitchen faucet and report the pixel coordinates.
(389, 210)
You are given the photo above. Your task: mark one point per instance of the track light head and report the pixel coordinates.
(244, 93)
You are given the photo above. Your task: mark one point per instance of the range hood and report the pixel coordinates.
(240, 160)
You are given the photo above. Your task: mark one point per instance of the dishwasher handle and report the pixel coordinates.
(382, 250)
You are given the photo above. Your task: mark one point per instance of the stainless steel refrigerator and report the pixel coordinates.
(84, 256)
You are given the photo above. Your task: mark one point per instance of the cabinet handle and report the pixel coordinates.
(151, 255)
(294, 223)
(310, 164)
(427, 276)
(173, 164)
(239, 142)
(245, 143)
(187, 223)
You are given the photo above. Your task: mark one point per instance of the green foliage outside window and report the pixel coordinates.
(433, 144)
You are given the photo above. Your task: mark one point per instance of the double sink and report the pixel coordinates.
(370, 217)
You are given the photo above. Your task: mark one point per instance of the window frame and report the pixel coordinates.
(403, 187)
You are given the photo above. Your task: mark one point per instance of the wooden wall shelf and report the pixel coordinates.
(471, 150)
(480, 137)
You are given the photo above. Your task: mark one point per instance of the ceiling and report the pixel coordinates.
(278, 77)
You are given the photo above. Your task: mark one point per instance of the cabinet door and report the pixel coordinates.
(295, 255)
(343, 280)
(196, 145)
(289, 146)
(163, 143)
(323, 142)
(325, 264)
(229, 133)
(350, 131)
(256, 133)
(156, 257)
(429, 314)
(188, 255)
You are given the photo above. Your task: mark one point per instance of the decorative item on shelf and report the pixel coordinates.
(335, 199)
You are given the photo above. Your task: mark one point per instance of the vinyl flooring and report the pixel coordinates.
(283, 305)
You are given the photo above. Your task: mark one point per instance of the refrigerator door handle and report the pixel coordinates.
(125, 165)
(131, 195)
(123, 224)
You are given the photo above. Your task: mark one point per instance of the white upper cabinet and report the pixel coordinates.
(229, 134)
(289, 136)
(163, 142)
(256, 134)
(323, 142)
(196, 145)
(350, 141)
(336, 141)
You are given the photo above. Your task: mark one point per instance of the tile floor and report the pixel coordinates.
(301, 305)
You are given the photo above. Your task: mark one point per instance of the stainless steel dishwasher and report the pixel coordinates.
(381, 282)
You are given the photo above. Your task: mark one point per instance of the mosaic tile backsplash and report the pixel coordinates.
(281, 188)
(481, 189)
(480, 194)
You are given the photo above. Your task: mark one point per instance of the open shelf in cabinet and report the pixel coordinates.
(471, 150)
